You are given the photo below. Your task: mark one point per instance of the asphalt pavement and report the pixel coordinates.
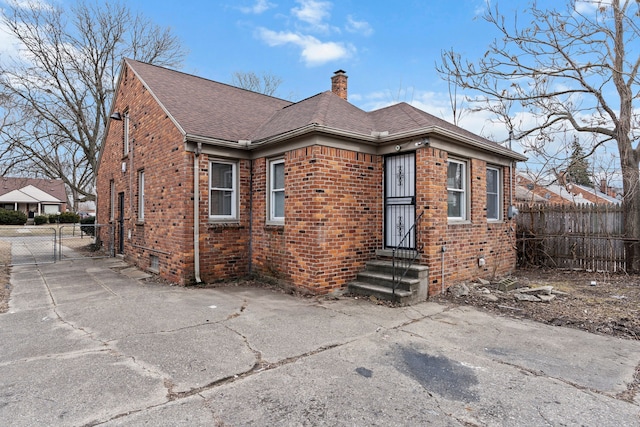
(90, 342)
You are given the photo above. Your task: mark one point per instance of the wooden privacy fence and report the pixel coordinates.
(589, 237)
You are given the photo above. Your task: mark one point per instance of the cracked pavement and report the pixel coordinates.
(84, 345)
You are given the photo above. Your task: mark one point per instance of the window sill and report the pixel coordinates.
(459, 222)
(274, 223)
(218, 224)
(274, 227)
(140, 222)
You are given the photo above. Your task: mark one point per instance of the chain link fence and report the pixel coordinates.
(51, 243)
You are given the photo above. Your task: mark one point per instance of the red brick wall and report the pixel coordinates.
(157, 147)
(224, 246)
(268, 243)
(467, 241)
(333, 211)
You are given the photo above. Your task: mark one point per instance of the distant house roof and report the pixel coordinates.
(523, 194)
(202, 108)
(552, 192)
(592, 193)
(32, 190)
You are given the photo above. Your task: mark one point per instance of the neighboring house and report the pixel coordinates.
(305, 193)
(532, 190)
(33, 196)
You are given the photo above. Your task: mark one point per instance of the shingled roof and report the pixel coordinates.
(53, 187)
(208, 109)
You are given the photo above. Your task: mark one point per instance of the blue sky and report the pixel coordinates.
(388, 49)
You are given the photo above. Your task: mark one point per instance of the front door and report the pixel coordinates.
(120, 223)
(400, 200)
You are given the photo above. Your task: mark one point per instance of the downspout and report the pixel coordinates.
(512, 211)
(196, 213)
(442, 250)
(250, 266)
(510, 173)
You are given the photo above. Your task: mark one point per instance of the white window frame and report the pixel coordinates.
(498, 194)
(112, 196)
(273, 191)
(463, 191)
(125, 145)
(233, 190)
(141, 195)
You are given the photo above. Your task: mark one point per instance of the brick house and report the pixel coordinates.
(306, 193)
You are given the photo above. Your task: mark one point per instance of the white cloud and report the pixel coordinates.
(589, 7)
(259, 7)
(312, 11)
(481, 9)
(8, 43)
(33, 4)
(314, 52)
(361, 27)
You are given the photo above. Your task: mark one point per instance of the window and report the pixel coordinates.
(276, 191)
(456, 190)
(125, 123)
(222, 185)
(154, 263)
(50, 209)
(493, 194)
(141, 195)
(112, 200)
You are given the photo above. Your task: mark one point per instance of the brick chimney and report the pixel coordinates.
(604, 187)
(339, 84)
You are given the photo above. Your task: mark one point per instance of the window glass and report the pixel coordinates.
(125, 146)
(141, 195)
(493, 194)
(456, 189)
(222, 184)
(276, 177)
(455, 175)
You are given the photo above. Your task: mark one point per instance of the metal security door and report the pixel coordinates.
(400, 200)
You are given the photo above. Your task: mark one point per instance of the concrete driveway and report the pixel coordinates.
(85, 344)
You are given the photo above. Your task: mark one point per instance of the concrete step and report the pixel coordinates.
(400, 296)
(383, 279)
(386, 267)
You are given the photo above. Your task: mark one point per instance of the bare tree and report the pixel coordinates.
(267, 83)
(62, 83)
(575, 68)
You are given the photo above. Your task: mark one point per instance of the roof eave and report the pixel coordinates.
(367, 139)
(316, 128)
(497, 149)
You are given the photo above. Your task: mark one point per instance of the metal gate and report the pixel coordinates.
(400, 200)
(43, 244)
